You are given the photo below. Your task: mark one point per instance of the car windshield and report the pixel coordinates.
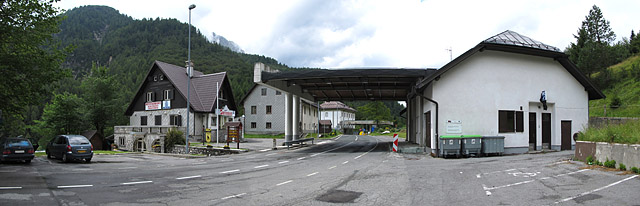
(78, 140)
(17, 142)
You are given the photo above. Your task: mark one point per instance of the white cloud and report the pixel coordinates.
(377, 33)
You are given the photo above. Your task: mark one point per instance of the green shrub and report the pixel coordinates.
(597, 163)
(610, 163)
(622, 167)
(174, 137)
(635, 169)
(590, 160)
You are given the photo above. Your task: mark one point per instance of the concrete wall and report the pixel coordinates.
(585, 149)
(627, 154)
(476, 89)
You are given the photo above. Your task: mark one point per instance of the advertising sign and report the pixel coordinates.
(226, 112)
(166, 104)
(152, 105)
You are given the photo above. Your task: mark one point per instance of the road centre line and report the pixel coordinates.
(367, 151)
(301, 158)
(230, 171)
(345, 162)
(74, 186)
(313, 155)
(312, 174)
(124, 168)
(271, 154)
(529, 181)
(261, 166)
(592, 191)
(285, 182)
(199, 163)
(133, 183)
(189, 177)
(233, 196)
(264, 150)
(332, 167)
(283, 162)
(10, 188)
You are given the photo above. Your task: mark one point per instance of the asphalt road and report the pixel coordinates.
(357, 170)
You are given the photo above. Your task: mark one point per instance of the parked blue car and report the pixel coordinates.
(16, 149)
(69, 148)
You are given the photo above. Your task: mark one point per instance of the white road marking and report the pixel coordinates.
(264, 150)
(488, 193)
(9, 170)
(312, 174)
(478, 175)
(332, 167)
(230, 171)
(199, 163)
(9, 188)
(285, 182)
(283, 162)
(345, 162)
(271, 154)
(133, 183)
(530, 181)
(570, 173)
(323, 142)
(74, 186)
(233, 196)
(82, 169)
(367, 151)
(592, 191)
(124, 168)
(301, 158)
(509, 170)
(338, 137)
(189, 177)
(261, 166)
(356, 138)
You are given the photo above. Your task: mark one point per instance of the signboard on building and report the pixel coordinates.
(454, 127)
(226, 112)
(166, 104)
(152, 105)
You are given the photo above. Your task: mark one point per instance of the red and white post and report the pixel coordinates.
(395, 142)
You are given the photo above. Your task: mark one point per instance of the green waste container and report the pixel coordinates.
(492, 145)
(450, 145)
(471, 145)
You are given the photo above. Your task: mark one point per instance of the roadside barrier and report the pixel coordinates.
(395, 142)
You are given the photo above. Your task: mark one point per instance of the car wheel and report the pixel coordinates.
(27, 161)
(64, 158)
(88, 160)
(49, 156)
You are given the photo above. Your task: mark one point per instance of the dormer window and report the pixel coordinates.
(150, 96)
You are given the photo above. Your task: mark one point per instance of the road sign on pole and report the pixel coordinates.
(395, 142)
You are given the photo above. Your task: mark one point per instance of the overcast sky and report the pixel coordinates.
(377, 33)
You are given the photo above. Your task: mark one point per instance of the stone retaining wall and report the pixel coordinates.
(180, 149)
(629, 155)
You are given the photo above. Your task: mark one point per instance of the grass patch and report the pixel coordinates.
(108, 152)
(40, 154)
(623, 89)
(628, 133)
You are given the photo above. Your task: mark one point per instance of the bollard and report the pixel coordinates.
(274, 144)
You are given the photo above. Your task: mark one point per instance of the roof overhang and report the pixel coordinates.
(342, 84)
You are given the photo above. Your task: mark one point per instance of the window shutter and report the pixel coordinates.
(172, 120)
(171, 94)
(179, 120)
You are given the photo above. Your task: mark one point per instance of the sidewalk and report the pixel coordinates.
(259, 144)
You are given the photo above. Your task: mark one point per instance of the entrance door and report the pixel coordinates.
(565, 130)
(546, 130)
(427, 117)
(533, 130)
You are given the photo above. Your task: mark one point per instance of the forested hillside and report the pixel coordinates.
(623, 91)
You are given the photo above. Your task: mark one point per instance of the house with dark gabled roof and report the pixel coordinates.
(508, 85)
(160, 104)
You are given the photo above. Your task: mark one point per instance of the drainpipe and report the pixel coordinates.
(437, 109)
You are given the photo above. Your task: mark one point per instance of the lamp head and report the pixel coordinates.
(193, 6)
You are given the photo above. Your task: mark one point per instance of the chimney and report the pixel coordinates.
(189, 68)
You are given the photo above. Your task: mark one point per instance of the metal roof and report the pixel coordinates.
(351, 84)
(512, 38)
(336, 105)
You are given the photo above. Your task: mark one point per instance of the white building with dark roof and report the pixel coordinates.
(161, 104)
(338, 113)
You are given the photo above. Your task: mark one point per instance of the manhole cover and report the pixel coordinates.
(339, 196)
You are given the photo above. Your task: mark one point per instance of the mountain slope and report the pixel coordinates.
(624, 79)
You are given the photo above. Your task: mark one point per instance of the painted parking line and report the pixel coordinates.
(312, 174)
(261, 166)
(10, 188)
(230, 171)
(189, 177)
(285, 182)
(74, 186)
(135, 183)
(595, 190)
(283, 162)
(233, 196)
(530, 181)
(501, 171)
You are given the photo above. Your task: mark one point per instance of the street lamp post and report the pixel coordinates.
(189, 68)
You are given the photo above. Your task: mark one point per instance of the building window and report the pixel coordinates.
(254, 110)
(326, 114)
(268, 109)
(175, 120)
(143, 120)
(150, 96)
(510, 121)
(278, 92)
(158, 120)
(253, 125)
(121, 141)
(214, 121)
(167, 94)
(268, 126)
(264, 91)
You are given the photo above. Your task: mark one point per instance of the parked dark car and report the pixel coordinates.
(16, 149)
(70, 147)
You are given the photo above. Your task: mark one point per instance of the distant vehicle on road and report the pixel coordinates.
(16, 149)
(69, 148)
